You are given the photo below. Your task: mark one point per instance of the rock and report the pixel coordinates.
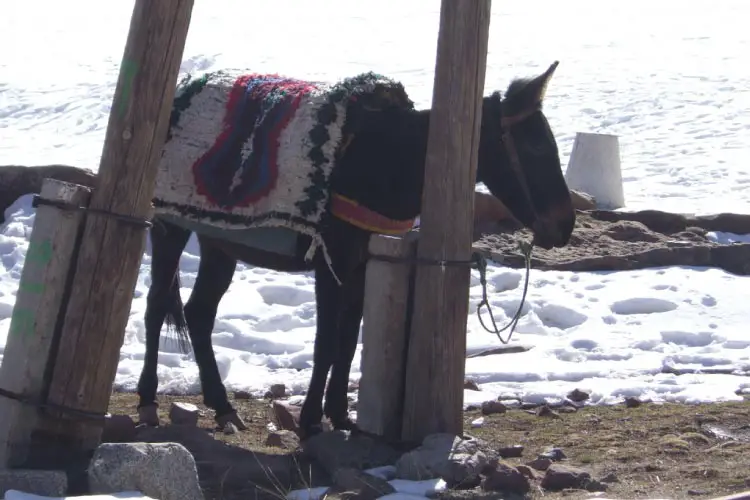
(276, 391)
(229, 428)
(493, 407)
(632, 402)
(546, 411)
(445, 456)
(610, 478)
(559, 477)
(287, 416)
(242, 395)
(593, 486)
(118, 429)
(471, 385)
(49, 483)
(526, 471)
(567, 409)
(506, 478)
(541, 464)
(468, 495)
(554, 454)
(162, 470)
(582, 201)
(183, 414)
(339, 449)
(352, 483)
(578, 396)
(613, 241)
(18, 180)
(529, 406)
(287, 440)
(514, 451)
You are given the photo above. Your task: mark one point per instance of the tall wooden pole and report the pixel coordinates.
(437, 346)
(110, 254)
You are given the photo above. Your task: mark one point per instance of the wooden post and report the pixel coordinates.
(112, 248)
(40, 295)
(437, 346)
(384, 336)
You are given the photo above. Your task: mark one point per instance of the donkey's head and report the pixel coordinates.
(520, 164)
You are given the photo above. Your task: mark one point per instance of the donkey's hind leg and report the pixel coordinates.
(214, 277)
(167, 243)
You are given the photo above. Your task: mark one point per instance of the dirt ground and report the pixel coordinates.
(652, 451)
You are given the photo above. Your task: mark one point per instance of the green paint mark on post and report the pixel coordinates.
(22, 322)
(30, 287)
(128, 69)
(39, 252)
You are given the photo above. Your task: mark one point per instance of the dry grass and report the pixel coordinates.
(656, 451)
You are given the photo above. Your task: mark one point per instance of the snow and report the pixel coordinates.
(127, 495)
(670, 81)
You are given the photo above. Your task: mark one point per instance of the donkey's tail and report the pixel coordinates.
(176, 315)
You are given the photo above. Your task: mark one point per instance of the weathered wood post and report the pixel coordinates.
(40, 296)
(114, 235)
(437, 345)
(384, 335)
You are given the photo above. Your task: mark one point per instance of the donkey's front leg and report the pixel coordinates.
(350, 317)
(326, 343)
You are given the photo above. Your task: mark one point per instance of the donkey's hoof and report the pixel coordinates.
(232, 418)
(345, 424)
(309, 431)
(148, 416)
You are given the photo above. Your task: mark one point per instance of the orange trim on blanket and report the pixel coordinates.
(352, 212)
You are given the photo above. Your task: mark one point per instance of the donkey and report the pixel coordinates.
(383, 169)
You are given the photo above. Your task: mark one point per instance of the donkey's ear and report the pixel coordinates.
(540, 82)
(526, 93)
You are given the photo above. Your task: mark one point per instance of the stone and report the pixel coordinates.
(578, 396)
(338, 449)
(559, 477)
(541, 464)
(276, 391)
(546, 411)
(493, 407)
(50, 483)
(183, 414)
(352, 483)
(242, 395)
(287, 416)
(582, 201)
(454, 459)
(166, 471)
(287, 440)
(471, 385)
(610, 478)
(632, 402)
(554, 454)
(514, 451)
(506, 478)
(118, 429)
(613, 241)
(526, 471)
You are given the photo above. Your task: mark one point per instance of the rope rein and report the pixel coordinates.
(479, 262)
